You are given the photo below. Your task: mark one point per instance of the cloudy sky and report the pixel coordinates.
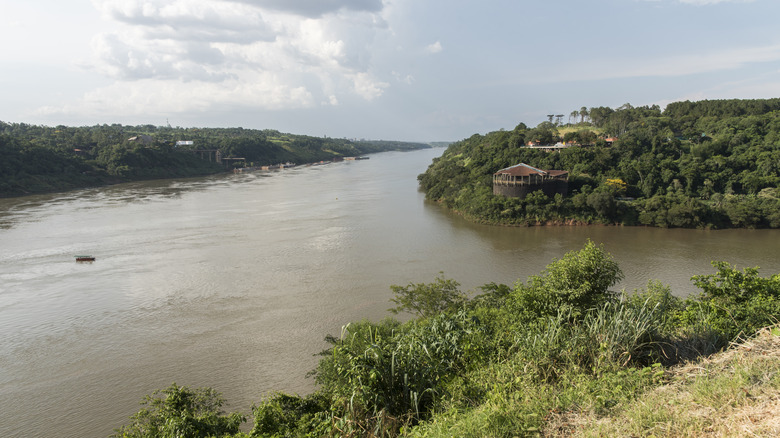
(420, 70)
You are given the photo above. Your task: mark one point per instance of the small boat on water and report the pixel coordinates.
(85, 258)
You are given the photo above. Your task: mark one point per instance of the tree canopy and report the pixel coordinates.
(709, 164)
(40, 158)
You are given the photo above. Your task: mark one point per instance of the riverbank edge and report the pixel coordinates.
(569, 222)
(108, 181)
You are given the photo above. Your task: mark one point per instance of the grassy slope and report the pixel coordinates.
(731, 394)
(735, 393)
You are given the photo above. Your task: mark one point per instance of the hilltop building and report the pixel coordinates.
(521, 179)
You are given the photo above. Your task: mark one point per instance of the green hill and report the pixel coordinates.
(709, 164)
(43, 159)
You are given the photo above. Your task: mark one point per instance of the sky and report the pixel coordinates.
(410, 70)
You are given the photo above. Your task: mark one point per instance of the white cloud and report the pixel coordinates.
(150, 97)
(266, 54)
(317, 8)
(368, 87)
(190, 20)
(404, 79)
(434, 48)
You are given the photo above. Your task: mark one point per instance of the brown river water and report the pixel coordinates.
(232, 281)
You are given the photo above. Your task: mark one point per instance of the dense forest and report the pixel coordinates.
(707, 164)
(559, 354)
(42, 159)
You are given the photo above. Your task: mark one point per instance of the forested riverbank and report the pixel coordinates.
(708, 164)
(38, 159)
(535, 358)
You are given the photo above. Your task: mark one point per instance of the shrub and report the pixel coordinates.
(578, 282)
(740, 302)
(179, 411)
(284, 415)
(427, 299)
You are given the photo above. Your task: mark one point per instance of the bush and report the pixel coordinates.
(178, 411)
(285, 415)
(739, 302)
(578, 282)
(427, 299)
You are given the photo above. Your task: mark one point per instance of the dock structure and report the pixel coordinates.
(521, 179)
(233, 161)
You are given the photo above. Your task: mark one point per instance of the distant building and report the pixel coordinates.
(521, 179)
(551, 147)
(184, 143)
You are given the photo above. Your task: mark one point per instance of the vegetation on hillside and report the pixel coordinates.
(42, 159)
(524, 360)
(708, 164)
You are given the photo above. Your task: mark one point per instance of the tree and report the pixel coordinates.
(573, 116)
(583, 114)
(603, 202)
(578, 282)
(617, 185)
(178, 411)
(427, 299)
(544, 133)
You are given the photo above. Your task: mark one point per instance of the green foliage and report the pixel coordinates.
(427, 299)
(577, 282)
(393, 372)
(41, 159)
(710, 164)
(493, 295)
(178, 411)
(292, 416)
(658, 296)
(739, 302)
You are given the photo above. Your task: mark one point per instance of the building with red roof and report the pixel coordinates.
(521, 179)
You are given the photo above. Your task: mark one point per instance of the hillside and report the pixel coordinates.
(735, 393)
(40, 159)
(709, 164)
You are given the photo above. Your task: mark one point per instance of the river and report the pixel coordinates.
(232, 281)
